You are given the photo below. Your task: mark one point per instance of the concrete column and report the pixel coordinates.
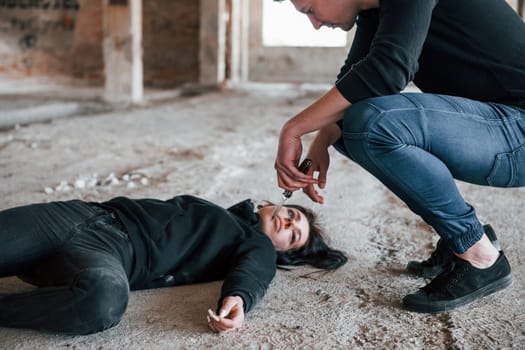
(239, 41)
(212, 54)
(123, 51)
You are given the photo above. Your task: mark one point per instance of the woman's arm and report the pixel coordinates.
(252, 269)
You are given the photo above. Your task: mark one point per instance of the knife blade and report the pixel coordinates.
(304, 167)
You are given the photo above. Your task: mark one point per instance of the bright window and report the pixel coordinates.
(283, 25)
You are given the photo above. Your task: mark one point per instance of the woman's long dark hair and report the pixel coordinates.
(315, 252)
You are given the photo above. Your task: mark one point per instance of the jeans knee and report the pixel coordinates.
(358, 135)
(105, 300)
(359, 117)
(383, 124)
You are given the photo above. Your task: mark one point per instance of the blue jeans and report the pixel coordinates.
(417, 144)
(78, 255)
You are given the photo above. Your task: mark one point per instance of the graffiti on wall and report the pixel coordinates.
(42, 26)
(29, 29)
(40, 4)
(29, 26)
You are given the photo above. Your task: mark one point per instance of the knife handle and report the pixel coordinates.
(304, 167)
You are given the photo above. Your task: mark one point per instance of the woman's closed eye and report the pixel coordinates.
(293, 237)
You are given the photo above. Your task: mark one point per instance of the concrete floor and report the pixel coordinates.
(221, 146)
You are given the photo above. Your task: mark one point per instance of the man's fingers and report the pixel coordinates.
(292, 179)
(322, 179)
(313, 194)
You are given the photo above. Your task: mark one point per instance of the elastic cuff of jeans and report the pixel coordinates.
(461, 244)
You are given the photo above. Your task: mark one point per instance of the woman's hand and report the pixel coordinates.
(230, 317)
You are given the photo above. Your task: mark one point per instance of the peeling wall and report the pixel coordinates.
(37, 36)
(64, 38)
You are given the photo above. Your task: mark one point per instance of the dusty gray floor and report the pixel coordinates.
(221, 146)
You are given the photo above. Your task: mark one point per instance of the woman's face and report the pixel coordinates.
(289, 229)
(333, 13)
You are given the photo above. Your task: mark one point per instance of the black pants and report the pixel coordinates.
(77, 254)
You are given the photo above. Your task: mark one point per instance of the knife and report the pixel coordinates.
(304, 167)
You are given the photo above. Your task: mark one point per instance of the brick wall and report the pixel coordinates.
(171, 41)
(64, 38)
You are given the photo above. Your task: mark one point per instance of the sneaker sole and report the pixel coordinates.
(444, 306)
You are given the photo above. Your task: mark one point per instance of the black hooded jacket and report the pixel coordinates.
(186, 240)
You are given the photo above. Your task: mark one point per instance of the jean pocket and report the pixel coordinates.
(508, 169)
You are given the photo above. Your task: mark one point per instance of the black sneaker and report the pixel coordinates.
(461, 285)
(442, 256)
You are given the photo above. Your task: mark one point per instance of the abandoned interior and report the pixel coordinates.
(157, 98)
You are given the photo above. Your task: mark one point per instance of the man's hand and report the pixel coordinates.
(287, 161)
(322, 113)
(230, 317)
(318, 153)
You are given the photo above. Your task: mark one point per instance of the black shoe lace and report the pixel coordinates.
(446, 280)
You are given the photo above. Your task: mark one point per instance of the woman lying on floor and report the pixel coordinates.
(86, 257)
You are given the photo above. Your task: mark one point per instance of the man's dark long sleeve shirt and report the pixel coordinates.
(468, 48)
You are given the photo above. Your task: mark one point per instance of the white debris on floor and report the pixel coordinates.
(92, 181)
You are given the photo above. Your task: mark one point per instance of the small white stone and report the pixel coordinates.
(91, 180)
(110, 180)
(63, 187)
(80, 183)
